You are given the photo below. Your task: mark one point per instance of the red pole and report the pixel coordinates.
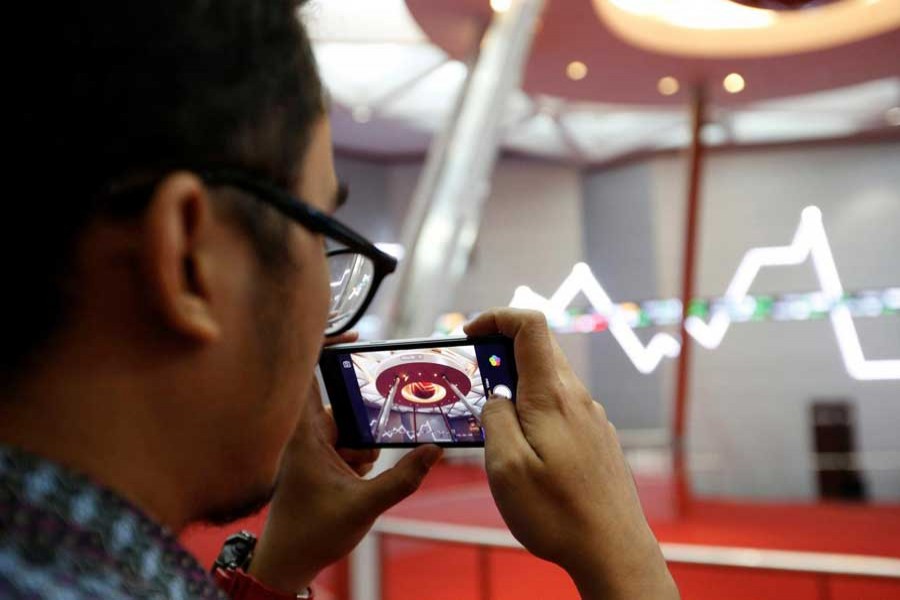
(484, 573)
(682, 485)
(381, 540)
(342, 579)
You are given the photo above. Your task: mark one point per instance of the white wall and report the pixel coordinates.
(749, 420)
(530, 233)
(621, 237)
(756, 390)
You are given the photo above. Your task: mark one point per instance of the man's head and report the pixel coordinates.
(145, 294)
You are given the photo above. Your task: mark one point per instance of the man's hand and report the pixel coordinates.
(558, 474)
(323, 507)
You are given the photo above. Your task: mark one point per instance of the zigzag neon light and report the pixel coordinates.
(810, 241)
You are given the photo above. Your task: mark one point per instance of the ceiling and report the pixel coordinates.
(395, 69)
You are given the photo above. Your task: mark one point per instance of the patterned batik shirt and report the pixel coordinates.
(63, 537)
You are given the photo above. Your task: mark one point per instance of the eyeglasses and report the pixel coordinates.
(357, 268)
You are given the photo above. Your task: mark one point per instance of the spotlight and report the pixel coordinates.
(500, 6)
(734, 83)
(576, 70)
(667, 86)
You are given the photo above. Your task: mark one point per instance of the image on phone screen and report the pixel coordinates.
(407, 396)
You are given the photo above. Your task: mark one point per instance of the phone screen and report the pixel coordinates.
(416, 392)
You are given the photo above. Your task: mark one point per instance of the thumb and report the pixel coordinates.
(402, 479)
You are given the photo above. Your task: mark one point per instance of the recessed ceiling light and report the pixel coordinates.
(500, 6)
(576, 70)
(667, 86)
(733, 83)
(892, 116)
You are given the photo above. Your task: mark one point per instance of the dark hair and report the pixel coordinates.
(114, 90)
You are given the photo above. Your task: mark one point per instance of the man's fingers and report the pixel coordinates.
(504, 441)
(359, 456)
(343, 338)
(536, 361)
(531, 337)
(361, 461)
(402, 479)
(363, 469)
(514, 322)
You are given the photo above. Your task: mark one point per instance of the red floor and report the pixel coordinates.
(454, 494)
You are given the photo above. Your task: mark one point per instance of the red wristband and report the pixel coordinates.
(240, 585)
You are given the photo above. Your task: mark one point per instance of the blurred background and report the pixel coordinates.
(704, 198)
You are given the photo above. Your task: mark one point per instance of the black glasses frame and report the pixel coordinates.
(316, 221)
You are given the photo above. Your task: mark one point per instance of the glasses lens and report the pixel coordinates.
(351, 283)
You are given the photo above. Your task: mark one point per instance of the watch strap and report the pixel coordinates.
(240, 585)
(237, 551)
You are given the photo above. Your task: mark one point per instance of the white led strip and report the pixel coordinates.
(809, 240)
(581, 279)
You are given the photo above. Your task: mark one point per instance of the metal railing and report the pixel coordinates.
(821, 564)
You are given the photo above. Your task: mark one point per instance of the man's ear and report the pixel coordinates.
(175, 227)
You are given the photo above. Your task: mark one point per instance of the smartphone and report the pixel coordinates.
(411, 392)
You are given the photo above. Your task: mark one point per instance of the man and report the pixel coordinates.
(175, 179)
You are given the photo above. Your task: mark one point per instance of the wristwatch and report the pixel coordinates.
(230, 572)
